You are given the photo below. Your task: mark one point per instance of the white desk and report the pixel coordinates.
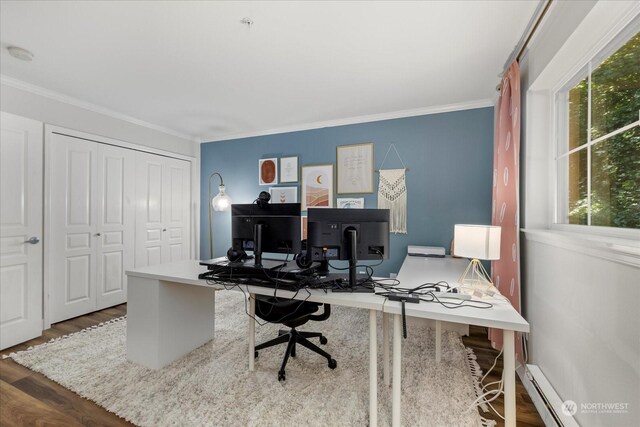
(418, 270)
(167, 318)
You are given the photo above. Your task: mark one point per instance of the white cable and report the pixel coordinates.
(492, 366)
(481, 399)
(495, 410)
(491, 383)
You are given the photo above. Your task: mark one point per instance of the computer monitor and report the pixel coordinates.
(348, 234)
(273, 228)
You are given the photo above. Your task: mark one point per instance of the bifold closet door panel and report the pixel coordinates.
(73, 217)
(149, 207)
(176, 216)
(163, 197)
(115, 223)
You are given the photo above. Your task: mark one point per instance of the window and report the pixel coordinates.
(598, 157)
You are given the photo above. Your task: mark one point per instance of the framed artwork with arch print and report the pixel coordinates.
(317, 186)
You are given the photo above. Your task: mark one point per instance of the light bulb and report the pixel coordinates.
(222, 201)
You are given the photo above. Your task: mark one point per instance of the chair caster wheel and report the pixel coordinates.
(333, 364)
(281, 376)
(323, 340)
(255, 354)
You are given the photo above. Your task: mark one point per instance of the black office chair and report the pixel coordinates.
(292, 313)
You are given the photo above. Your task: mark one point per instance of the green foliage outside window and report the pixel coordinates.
(615, 160)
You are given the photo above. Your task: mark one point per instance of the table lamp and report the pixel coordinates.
(220, 202)
(476, 242)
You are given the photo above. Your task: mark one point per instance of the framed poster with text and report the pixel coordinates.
(355, 168)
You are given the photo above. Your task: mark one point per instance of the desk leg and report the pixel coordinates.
(213, 326)
(252, 331)
(509, 379)
(397, 362)
(373, 370)
(385, 349)
(438, 340)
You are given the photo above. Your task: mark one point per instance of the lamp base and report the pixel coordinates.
(476, 277)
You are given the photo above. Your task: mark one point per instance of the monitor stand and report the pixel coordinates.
(352, 237)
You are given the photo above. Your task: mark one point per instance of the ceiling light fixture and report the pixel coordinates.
(20, 53)
(247, 21)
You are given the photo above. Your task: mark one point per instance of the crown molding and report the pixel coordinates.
(37, 90)
(56, 96)
(469, 105)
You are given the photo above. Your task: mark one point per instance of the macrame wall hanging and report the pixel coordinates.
(392, 194)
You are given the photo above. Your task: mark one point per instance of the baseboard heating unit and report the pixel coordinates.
(545, 398)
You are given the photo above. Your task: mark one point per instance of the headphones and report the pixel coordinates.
(235, 255)
(263, 199)
(303, 259)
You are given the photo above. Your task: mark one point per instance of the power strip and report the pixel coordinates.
(451, 295)
(399, 296)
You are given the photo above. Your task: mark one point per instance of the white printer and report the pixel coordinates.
(426, 251)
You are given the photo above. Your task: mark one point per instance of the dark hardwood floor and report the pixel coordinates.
(30, 399)
(526, 413)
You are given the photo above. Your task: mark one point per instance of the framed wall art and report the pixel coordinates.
(284, 194)
(288, 169)
(268, 171)
(355, 168)
(317, 186)
(350, 202)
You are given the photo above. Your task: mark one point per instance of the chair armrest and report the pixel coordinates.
(325, 314)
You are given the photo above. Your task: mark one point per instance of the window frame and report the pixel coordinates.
(560, 135)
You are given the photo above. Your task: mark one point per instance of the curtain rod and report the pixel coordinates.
(530, 32)
(533, 30)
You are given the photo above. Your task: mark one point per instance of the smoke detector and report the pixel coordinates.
(20, 53)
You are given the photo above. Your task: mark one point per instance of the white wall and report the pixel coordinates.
(580, 297)
(55, 112)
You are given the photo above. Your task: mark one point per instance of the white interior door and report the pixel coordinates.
(21, 166)
(73, 234)
(115, 223)
(176, 218)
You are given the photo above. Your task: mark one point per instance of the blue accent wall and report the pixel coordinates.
(450, 157)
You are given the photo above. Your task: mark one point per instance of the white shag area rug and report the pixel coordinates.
(211, 386)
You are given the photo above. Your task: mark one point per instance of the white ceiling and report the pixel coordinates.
(192, 67)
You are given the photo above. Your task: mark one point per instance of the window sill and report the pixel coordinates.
(620, 250)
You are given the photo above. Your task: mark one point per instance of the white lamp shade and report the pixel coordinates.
(477, 241)
(222, 201)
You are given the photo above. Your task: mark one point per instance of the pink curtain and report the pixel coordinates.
(505, 272)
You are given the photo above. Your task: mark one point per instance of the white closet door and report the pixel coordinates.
(176, 218)
(149, 211)
(20, 220)
(115, 223)
(73, 235)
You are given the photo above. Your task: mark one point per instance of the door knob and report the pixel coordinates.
(98, 234)
(164, 229)
(32, 240)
